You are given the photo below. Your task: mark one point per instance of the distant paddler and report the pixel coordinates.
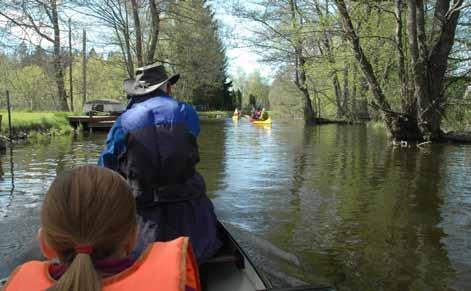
(261, 117)
(236, 115)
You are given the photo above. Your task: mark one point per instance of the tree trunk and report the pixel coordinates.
(429, 67)
(309, 113)
(58, 63)
(84, 68)
(71, 56)
(125, 51)
(365, 65)
(354, 109)
(127, 43)
(137, 26)
(327, 52)
(407, 103)
(300, 61)
(346, 92)
(443, 39)
(338, 93)
(399, 125)
(155, 14)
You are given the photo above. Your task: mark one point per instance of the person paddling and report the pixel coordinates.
(153, 144)
(88, 224)
(236, 113)
(257, 114)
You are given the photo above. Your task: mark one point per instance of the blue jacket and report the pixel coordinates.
(157, 111)
(153, 145)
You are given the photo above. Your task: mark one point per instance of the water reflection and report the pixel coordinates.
(212, 154)
(358, 213)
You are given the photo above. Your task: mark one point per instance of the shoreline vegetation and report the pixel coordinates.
(27, 125)
(37, 125)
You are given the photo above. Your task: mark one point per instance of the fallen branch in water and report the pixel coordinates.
(423, 143)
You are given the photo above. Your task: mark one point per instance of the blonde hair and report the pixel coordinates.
(90, 206)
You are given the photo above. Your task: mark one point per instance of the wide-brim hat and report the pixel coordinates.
(148, 79)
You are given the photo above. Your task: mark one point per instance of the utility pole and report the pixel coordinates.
(84, 67)
(10, 130)
(71, 58)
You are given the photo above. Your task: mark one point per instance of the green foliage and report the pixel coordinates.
(285, 98)
(335, 82)
(32, 86)
(198, 54)
(253, 90)
(188, 41)
(104, 79)
(54, 123)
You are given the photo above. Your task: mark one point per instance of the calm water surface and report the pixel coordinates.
(333, 205)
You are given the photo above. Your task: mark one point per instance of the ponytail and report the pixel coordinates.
(89, 210)
(80, 276)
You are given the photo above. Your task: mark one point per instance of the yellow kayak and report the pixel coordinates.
(235, 117)
(267, 121)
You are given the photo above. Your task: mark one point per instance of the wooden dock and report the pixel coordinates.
(90, 123)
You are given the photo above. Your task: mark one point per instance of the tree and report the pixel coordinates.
(196, 51)
(144, 24)
(429, 57)
(41, 19)
(285, 97)
(258, 88)
(281, 37)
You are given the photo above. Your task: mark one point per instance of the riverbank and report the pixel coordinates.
(214, 114)
(449, 136)
(35, 124)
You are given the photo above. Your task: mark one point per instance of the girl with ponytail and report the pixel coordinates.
(88, 229)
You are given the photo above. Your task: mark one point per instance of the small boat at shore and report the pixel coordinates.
(266, 121)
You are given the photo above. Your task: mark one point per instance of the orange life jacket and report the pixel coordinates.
(165, 266)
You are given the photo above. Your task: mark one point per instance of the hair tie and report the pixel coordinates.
(84, 249)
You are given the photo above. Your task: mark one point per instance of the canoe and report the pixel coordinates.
(229, 270)
(234, 117)
(267, 121)
(232, 270)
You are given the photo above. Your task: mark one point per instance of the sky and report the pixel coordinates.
(241, 59)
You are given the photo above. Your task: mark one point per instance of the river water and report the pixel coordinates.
(334, 204)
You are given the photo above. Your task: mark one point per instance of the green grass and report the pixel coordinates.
(34, 123)
(215, 114)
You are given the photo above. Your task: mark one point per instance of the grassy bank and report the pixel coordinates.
(214, 114)
(36, 123)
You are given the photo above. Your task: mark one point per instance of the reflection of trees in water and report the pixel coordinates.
(12, 177)
(212, 154)
(395, 241)
(363, 215)
(293, 231)
(1, 169)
